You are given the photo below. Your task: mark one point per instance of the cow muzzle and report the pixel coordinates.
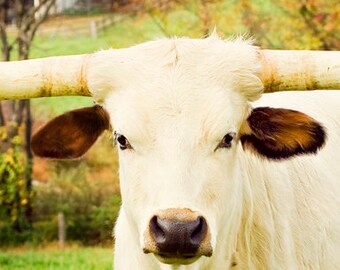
(178, 236)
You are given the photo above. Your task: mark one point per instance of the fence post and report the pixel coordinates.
(93, 29)
(61, 230)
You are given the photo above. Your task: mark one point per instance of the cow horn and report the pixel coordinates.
(53, 76)
(67, 75)
(299, 70)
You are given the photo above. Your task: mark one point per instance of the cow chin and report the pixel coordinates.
(177, 260)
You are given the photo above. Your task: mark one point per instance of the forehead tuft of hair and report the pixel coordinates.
(232, 64)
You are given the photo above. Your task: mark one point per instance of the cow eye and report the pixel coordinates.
(227, 140)
(122, 141)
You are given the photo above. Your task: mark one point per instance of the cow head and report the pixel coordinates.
(181, 115)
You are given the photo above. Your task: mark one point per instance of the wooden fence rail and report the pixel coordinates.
(73, 26)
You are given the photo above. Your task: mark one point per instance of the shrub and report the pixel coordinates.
(90, 208)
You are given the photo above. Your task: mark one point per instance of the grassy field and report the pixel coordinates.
(89, 258)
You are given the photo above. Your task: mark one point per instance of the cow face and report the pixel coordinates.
(180, 123)
(178, 166)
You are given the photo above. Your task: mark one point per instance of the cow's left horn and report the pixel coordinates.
(300, 70)
(53, 76)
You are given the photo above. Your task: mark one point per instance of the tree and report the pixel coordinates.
(306, 24)
(15, 116)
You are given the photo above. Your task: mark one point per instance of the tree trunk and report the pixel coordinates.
(29, 166)
(2, 119)
(24, 44)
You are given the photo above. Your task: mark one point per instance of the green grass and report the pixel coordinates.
(70, 259)
(127, 32)
(45, 108)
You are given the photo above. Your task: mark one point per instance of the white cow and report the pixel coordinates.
(210, 179)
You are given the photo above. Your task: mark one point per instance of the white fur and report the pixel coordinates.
(174, 100)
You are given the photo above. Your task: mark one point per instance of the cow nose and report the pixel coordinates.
(177, 237)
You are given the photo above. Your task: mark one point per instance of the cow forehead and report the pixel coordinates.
(177, 63)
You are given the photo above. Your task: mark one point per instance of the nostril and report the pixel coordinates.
(157, 231)
(199, 232)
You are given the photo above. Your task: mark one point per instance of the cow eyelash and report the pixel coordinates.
(122, 141)
(227, 140)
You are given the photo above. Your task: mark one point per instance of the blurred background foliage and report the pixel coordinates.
(87, 190)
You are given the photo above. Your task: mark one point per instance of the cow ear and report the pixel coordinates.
(282, 133)
(70, 135)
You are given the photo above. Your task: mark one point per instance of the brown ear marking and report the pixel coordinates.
(282, 133)
(71, 134)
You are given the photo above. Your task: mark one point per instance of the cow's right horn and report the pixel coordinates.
(53, 76)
